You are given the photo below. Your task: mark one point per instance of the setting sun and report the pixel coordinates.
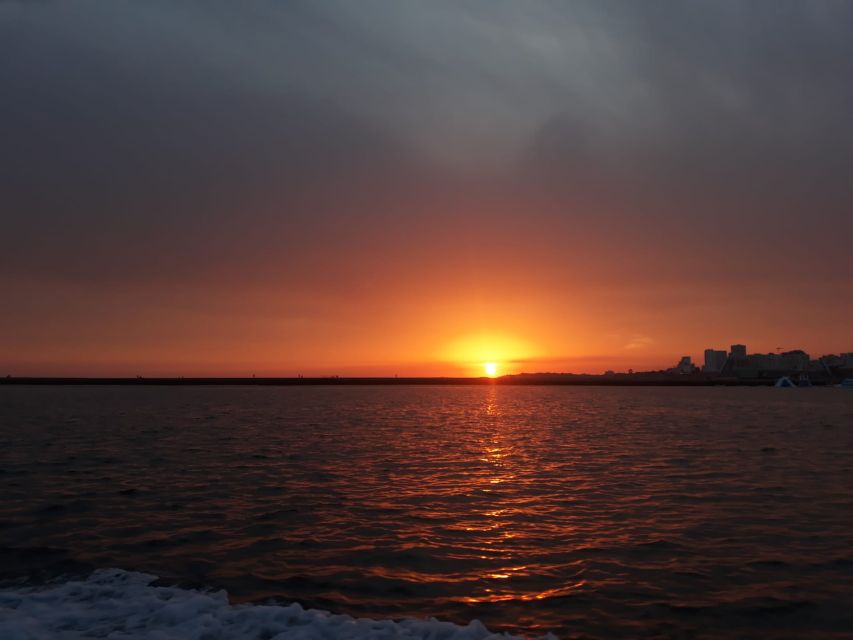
(487, 353)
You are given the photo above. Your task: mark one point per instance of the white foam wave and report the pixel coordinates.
(122, 605)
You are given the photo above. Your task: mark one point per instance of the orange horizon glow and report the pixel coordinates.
(438, 325)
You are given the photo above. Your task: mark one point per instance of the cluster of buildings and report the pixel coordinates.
(737, 363)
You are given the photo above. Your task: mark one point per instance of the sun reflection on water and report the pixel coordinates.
(502, 522)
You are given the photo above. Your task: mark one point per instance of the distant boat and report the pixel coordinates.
(785, 383)
(847, 383)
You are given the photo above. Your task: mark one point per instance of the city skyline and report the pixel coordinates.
(714, 363)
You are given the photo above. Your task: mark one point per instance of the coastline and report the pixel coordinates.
(619, 380)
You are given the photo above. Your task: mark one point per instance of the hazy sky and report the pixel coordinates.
(416, 187)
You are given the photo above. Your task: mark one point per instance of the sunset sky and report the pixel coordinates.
(416, 188)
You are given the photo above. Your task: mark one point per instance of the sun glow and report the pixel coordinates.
(488, 354)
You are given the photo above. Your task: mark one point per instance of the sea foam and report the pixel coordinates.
(123, 605)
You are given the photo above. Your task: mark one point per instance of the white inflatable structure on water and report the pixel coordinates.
(122, 605)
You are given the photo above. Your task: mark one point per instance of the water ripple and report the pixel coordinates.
(590, 512)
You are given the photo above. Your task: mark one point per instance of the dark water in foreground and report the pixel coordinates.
(589, 512)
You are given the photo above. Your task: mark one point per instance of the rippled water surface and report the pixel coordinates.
(589, 512)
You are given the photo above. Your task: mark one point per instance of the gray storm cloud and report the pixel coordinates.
(132, 128)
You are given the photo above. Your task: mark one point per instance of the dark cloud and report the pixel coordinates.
(144, 138)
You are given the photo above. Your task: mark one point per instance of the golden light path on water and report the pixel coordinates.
(498, 453)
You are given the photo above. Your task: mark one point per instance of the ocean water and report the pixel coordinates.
(587, 512)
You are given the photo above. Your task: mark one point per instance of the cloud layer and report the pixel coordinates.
(339, 162)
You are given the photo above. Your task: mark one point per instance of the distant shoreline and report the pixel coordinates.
(625, 380)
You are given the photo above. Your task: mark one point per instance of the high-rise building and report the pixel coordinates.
(738, 351)
(715, 360)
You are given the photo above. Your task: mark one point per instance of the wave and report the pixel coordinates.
(124, 605)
